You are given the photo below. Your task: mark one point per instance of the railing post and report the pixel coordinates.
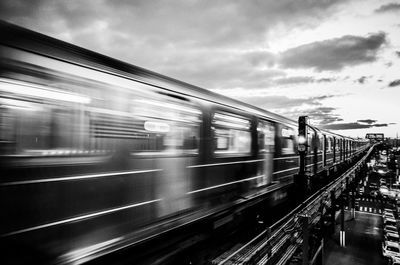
(306, 235)
(353, 201)
(342, 231)
(321, 219)
(333, 211)
(347, 189)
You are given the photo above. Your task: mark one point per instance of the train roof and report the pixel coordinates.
(25, 39)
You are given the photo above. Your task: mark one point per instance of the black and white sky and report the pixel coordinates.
(336, 61)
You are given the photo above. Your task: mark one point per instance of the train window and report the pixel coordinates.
(266, 136)
(33, 128)
(6, 131)
(46, 116)
(231, 134)
(311, 140)
(338, 145)
(320, 142)
(84, 117)
(288, 146)
(329, 144)
(161, 124)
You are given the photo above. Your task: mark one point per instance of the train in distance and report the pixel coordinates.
(97, 155)
(375, 137)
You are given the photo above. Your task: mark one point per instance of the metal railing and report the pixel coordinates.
(276, 244)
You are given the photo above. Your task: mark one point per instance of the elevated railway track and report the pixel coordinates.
(278, 243)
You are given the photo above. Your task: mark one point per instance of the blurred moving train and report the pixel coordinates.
(94, 152)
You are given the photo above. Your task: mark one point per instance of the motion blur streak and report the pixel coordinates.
(80, 218)
(79, 177)
(225, 184)
(98, 156)
(78, 256)
(26, 89)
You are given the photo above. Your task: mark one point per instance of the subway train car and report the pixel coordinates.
(328, 151)
(97, 154)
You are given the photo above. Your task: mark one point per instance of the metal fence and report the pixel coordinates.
(278, 243)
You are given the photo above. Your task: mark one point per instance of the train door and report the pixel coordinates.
(232, 170)
(315, 143)
(172, 128)
(322, 147)
(310, 153)
(286, 161)
(334, 149)
(266, 145)
(343, 146)
(351, 148)
(329, 151)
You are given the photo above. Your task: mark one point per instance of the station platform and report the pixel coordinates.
(363, 241)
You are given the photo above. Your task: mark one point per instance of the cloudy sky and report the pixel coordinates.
(336, 61)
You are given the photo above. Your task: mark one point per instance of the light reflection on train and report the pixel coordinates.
(95, 152)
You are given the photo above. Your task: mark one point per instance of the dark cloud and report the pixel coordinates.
(327, 80)
(394, 83)
(368, 121)
(388, 8)
(330, 119)
(361, 80)
(259, 58)
(235, 70)
(334, 54)
(360, 124)
(323, 115)
(194, 41)
(398, 53)
(381, 124)
(220, 23)
(325, 109)
(301, 79)
(318, 114)
(294, 80)
(352, 125)
(326, 118)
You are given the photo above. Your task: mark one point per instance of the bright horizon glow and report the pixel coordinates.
(28, 89)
